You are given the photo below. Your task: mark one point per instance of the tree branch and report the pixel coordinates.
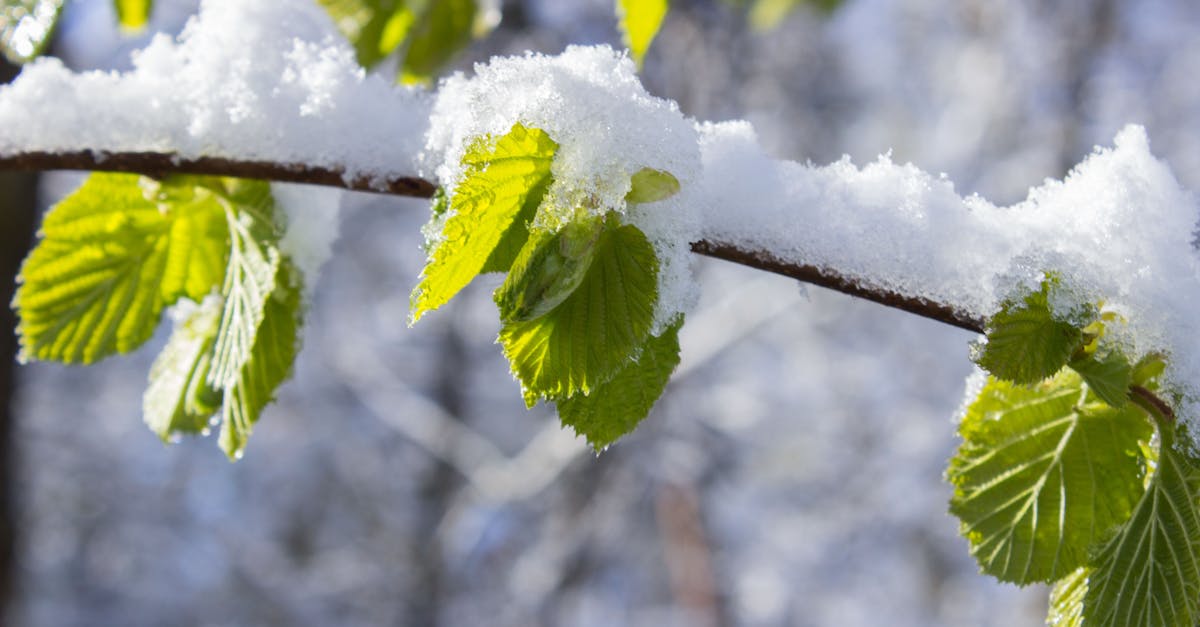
(159, 165)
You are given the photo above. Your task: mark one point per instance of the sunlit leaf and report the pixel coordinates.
(276, 343)
(583, 342)
(1043, 473)
(501, 189)
(639, 21)
(1148, 573)
(254, 260)
(110, 259)
(133, 14)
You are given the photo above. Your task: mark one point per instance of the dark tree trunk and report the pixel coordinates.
(17, 207)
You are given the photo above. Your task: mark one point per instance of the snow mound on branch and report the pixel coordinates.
(1119, 230)
(590, 101)
(247, 79)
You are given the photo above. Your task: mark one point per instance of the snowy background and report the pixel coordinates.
(790, 476)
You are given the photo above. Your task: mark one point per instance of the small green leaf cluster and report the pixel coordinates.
(578, 301)
(1060, 477)
(425, 34)
(120, 249)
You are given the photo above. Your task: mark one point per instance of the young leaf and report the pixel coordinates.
(1148, 573)
(615, 408)
(1147, 371)
(1026, 343)
(1109, 376)
(26, 26)
(108, 262)
(640, 21)
(552, 266)
(583, 342)
(375, 27)
(269, 363)
(179, 398)
(503, 180)
(254, 260)
(445, 28)
(649, 185)
(1043, 473)
(133, 14)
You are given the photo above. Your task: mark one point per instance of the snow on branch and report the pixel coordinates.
(1118, 230)
(159, 165)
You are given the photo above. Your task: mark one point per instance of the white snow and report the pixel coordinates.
(1118, 230)
(312, 225)
(251, 79)
(590, 101)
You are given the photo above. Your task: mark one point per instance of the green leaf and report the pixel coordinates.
(649, 185)
(179, 398)
(1043, 473)
(504, 182)
(108, 262)
(1147, 371)
(615, 408)
(552, 266)
(1066, 600)
(1026, 343)
(376, 28)
(639, 21)
(254, 260)
(444, 29)
(269, 364)
(1148, 573)
(26, 27)
(1109, 376)
(768, 14)
(133, 14)
(583, 342)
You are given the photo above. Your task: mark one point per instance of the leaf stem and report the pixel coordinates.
(1150, 403)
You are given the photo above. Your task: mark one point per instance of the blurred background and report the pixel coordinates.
(792, 473)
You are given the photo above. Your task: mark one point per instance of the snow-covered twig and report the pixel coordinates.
(162, 164)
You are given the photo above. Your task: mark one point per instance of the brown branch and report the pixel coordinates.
(159, 165)
(833, 280)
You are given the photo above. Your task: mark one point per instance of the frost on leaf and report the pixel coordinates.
(484, 225)
(269, 363)
(1026, 341)
(179, 398)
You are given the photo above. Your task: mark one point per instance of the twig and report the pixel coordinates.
(161, 164)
